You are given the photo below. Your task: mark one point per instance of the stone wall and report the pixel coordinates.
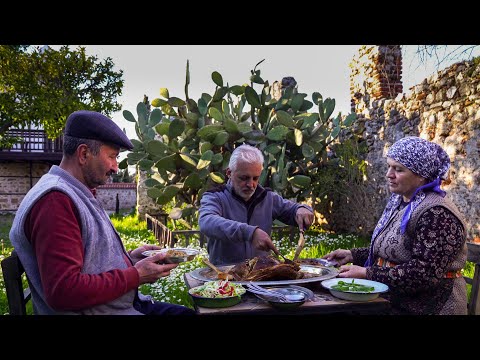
(376, 72)
(126, 192)
(16, 178)
(445, 109)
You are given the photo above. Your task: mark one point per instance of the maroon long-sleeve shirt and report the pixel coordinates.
(53, 228)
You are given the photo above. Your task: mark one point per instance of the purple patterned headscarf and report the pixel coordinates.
(424, 158)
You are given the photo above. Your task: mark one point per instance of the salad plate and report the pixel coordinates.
(217, 294)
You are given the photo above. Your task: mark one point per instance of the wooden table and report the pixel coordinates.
(323, 303)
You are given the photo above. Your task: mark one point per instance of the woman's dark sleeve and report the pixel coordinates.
(360, 255)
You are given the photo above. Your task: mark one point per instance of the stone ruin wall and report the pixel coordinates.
(17, 178)
(127, 197)
(444, 108)
(15, 181)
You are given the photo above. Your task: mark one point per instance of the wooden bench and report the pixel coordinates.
(168, 238)
(17, 296)
(474, 257)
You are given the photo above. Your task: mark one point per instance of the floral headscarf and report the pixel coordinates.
(424, 158)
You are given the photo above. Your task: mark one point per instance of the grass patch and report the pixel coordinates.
(5, 226)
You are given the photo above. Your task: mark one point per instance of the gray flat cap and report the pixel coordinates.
(95, 126)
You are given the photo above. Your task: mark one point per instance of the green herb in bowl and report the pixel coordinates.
(352, 286)
(354, 289)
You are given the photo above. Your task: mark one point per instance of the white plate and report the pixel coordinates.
(189, 254)
(355, 295)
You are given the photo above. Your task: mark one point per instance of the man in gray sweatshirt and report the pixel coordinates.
(237, 218)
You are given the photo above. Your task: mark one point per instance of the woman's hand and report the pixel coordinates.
(352, 271)
(341, 256)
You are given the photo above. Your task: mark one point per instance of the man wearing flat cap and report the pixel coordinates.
(74, 258)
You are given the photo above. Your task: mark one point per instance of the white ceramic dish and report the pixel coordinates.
(378, 288)
(174, 255)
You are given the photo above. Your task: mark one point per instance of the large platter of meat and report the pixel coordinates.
(267, 270)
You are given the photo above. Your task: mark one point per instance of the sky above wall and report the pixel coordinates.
(316, 68)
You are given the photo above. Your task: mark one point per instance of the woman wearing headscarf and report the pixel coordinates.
(418, 246)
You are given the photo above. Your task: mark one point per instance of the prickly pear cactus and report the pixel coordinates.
(185, 144)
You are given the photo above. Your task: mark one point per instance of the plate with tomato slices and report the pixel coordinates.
(217, 294)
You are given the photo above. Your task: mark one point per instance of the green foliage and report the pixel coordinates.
(42, 87)
(5, 226)
(473, 68)
(123, 176)
(133, 232)
(186, 145)
(340, 175)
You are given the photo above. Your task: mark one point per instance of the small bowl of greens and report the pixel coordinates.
(354, 289)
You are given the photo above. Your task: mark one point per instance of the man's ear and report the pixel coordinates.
(228, 172)
(82, 153)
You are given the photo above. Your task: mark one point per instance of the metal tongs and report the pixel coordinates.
(264, 292)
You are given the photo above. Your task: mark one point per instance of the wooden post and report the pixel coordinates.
(117, 205)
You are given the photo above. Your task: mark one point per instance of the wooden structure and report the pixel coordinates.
(33, 146)
(168, 238)
(25, 163)
(474, 257)
(17, 296)
(322, 303)
(325, 303)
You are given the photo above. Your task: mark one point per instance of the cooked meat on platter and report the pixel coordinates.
(265, 268)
